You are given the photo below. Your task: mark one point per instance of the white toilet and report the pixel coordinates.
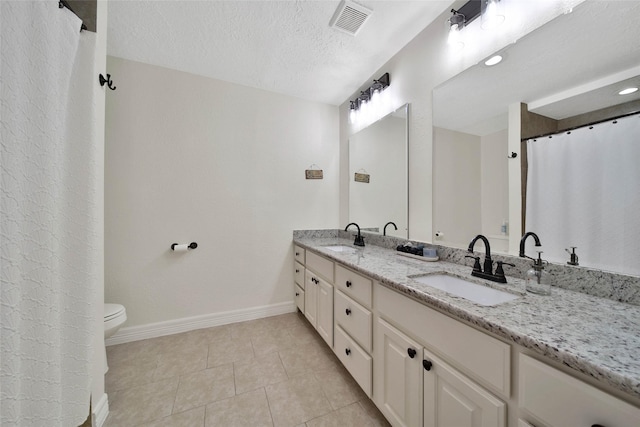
(114, 317)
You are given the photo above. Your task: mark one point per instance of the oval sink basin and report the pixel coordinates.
(341, 248)
(475, 292)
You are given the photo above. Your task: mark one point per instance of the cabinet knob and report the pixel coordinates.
(297, 294)
(426, 364)
(348, 284)
(297, 271)
(411, 352)
(596, 425)
(348, 351)
(297, 253)
(348, 311)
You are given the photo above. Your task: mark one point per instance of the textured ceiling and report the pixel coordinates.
(280, 46)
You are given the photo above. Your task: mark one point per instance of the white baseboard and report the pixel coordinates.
(170, 327)
(100, 411)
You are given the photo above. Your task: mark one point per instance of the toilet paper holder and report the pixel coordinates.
(192, 245)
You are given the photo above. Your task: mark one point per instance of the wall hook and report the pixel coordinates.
(107, 81)
(513, 155)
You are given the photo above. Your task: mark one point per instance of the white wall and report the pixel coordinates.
(494, 183)
(457, 187)
(190, 158)
(422, 65)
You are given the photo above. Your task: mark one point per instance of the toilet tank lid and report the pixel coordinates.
(112, 310)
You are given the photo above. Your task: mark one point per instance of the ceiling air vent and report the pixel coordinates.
(350, 17)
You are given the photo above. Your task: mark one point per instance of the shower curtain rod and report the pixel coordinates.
(62, 4)
(581, 126)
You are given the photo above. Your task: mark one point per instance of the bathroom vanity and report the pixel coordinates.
(426, 357)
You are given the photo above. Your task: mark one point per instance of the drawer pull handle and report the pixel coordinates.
(348, 351)
(297, 294)
(348, 284)
(426, 364)
(348, 311)
(411, 352)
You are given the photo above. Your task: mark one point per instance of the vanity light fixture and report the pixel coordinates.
(494, 60)
(492, 14)
(628, 91)
(360, 105)
(455, 22)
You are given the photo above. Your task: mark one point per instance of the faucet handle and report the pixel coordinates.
(500, 270)
(476, 265)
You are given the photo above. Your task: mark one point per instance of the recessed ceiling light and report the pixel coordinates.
(628, 90)
(496, 59)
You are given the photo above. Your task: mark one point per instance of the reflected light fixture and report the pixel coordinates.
(492, 14)
(628, 91)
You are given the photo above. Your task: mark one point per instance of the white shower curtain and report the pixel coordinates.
(49, 220)
(583, 189)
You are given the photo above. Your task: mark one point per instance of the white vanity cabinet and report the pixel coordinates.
(318, 295)
(452, 399)
(414, 386)
(556, 399)
(353, 325)
(299, 277)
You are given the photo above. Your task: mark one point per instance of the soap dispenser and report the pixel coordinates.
(537, 280)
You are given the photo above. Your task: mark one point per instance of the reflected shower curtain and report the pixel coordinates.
(583, 189)
(49, 220)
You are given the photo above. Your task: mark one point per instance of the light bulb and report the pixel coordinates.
(492, 14)
(455, 38)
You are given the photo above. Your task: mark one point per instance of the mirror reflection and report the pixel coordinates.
(548, 81)
(378, 175)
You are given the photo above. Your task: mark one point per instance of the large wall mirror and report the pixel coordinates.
(378, 175)
(567, 71)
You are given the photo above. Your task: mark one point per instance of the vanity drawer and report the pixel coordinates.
(558, 399)
(354, 318)
(299, 297)
(355, 285)
(298, 254)
(298, 274)
(320, 265)
(477, 354)
(354, 358)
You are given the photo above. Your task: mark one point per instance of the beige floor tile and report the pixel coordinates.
(310, 357)
(141, 404)
(249, 329)
(374, 414)
(191, 418)
(181, 362)
(228, 351)
(126, 376)
(132, 353)
(272, 341)
(200, 388)
(339, 387)
(296, 401)
(261, 371)
(285, 321)
(248, 409)
(305, 333)
(348, 416)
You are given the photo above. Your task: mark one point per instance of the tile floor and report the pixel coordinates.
(275, 371)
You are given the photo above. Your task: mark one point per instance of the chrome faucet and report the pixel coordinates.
(359, 240)
(384, 230)
(488, 263)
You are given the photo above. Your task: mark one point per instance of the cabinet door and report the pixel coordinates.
(451, 399)
(311, 298)
(324, 324)
(397, 376)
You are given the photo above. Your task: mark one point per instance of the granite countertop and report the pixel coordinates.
(596, 336)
